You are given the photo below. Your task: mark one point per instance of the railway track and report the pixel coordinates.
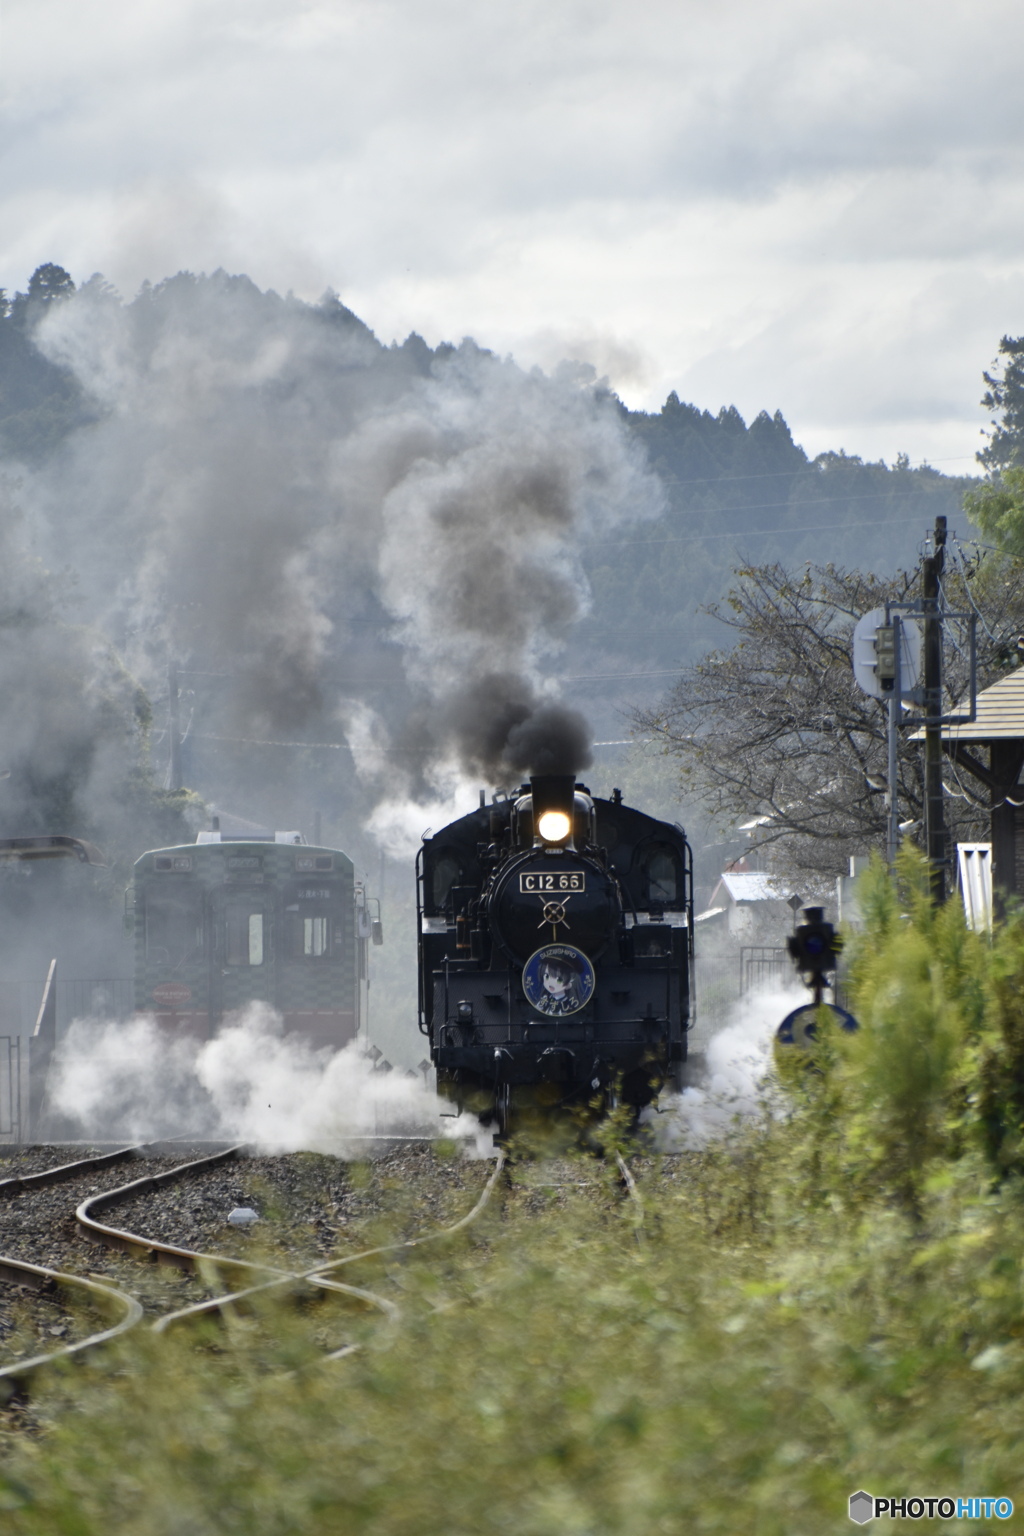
(235, 1281)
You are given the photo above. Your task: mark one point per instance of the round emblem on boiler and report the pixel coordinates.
(558, 980)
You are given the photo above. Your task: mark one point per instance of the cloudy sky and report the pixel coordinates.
(816, 205)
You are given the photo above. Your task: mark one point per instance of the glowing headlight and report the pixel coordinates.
(554, 826)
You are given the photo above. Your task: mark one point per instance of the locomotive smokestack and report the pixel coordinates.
(553, 807)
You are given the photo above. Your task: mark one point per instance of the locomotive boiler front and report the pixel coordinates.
(551, 891)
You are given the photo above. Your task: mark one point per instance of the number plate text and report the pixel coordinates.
(555, 883)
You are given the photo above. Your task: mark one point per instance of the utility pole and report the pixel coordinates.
(172, 688)
(892, 841)
(934, 808)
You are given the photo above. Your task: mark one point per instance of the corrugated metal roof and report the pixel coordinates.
(1000, 713)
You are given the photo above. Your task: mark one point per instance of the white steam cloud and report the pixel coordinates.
(739, 1059)
(251, 1083)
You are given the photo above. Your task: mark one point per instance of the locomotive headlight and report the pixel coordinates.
(553, 797)
(554, 826)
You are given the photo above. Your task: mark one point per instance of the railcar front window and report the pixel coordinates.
(243, 936)
(174, 929)
(314, 936)
(307, 934)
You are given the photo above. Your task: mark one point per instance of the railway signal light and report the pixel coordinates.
(814, 947)
(885, 656)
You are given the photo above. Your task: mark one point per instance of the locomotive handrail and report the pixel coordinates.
(421, 1020)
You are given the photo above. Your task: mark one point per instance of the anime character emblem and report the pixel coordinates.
(558, 980)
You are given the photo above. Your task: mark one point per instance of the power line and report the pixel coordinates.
(812, 470)
(344, 746)
(745, 533)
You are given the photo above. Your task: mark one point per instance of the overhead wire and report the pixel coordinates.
(958, 550)
(879, 522)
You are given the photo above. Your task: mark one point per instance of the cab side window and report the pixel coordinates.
(662, 876)
(447, 872)
(307, 932)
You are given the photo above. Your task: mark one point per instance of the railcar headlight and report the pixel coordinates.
(554, 826)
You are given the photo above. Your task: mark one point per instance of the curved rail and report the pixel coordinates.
(139, 1247)
(39, 1278)
(319, 1275)
(64, 1171)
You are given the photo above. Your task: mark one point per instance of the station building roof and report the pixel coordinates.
(752, 885)
(1000, 714)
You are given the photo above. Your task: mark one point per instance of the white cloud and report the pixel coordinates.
(816, 206)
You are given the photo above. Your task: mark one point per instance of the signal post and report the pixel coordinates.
(934, 807)
(897, 657)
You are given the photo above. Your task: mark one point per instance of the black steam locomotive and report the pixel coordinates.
(556, 948)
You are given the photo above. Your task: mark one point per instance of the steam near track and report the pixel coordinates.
(254, 1084)
(734, 1083)
(250, 1083)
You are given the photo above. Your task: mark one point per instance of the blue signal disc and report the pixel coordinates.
(801, 1026)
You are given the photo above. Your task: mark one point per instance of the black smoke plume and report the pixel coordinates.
(501, 730)
(318, 527)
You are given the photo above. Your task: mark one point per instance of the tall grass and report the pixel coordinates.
(831, 1299)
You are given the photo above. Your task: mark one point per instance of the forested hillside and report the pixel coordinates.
(733, 491)
(737, 493)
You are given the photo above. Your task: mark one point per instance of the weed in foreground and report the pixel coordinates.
(830, 1299)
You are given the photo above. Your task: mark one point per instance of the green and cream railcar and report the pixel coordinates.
(220, 924)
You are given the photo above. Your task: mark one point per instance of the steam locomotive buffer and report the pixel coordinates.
(556, 948)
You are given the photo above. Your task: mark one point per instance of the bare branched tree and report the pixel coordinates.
(776, 731)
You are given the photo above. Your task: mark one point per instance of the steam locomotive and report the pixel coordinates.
(224, 922)
(555, 951)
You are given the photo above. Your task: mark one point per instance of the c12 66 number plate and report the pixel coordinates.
(554, 882)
